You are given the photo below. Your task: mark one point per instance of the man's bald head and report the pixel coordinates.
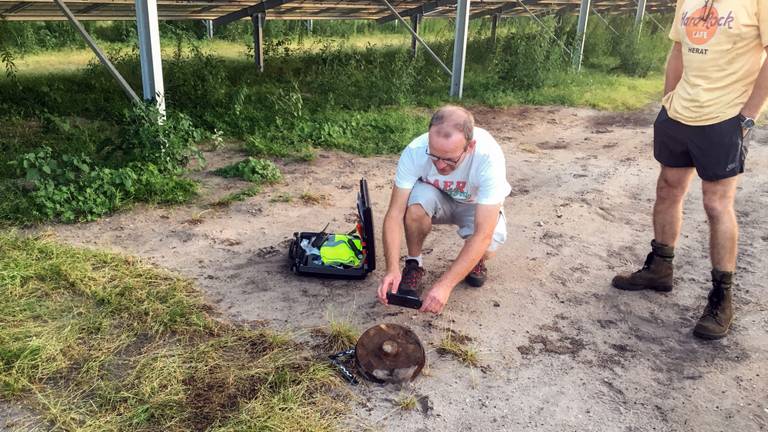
(451, 119)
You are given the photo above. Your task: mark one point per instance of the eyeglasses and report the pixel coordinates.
(447, 161)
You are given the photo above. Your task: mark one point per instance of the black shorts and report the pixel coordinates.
(717, 151)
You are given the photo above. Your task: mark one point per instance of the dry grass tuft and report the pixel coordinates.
(96, 341)
(457, 345)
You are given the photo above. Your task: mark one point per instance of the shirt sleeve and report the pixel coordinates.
(674, 32)
(762, 20)
(494, 187)
(407, 170)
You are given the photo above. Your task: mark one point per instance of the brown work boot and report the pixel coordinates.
(477, 275)
(412, 274)
(655, 275)
(718, 314)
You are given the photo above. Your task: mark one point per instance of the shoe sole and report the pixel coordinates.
(711, 336)
(657, 288)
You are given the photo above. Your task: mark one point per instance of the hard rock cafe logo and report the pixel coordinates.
(702, 24)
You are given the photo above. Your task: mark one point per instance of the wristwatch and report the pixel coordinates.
(746, 122)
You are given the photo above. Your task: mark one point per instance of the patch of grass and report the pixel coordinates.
(610, 92)
(311, 198)
(283, 197)
(95, 341)
(407, 402)
(252, 170)
(337, 336)
(241, 195)
(457, 345)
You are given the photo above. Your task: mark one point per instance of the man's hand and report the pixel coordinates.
(436, 299)
(390, 283)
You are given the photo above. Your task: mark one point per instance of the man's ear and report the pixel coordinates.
(471, 145)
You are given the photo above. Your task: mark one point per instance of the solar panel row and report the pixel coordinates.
(91, 10)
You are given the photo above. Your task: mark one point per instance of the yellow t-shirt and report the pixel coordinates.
(722, 56)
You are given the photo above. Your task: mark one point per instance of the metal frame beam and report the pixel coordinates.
(17, 7)
(149, 52)
(90, 8)
(460, 48)
(543, 26)
(99, 54)
(417, 37)
(496, 11)
(418, 10)
(262, 7)
(581, 34)
(607, 24)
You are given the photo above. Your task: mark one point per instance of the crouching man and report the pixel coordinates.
(453, 174)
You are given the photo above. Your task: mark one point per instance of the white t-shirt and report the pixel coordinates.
(480, 178)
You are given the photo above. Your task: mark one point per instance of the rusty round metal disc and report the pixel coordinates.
(389, 353)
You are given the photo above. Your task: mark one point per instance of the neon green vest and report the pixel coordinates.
(340, 249)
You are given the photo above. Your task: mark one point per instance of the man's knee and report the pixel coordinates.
(672, 187)
(416, 215)
(718, 206)
(718, 198)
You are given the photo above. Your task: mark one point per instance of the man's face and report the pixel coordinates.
(447, 149)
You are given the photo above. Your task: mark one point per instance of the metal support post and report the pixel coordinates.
(99, 54)
(581, 33)
(494, 24)
(460, 48)
(258, 39)
(417, 37)
(639, 15)
(415, 21)
(149, 52)
(208, 28)
(310, 24)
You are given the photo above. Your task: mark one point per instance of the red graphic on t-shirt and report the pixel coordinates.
(701, 25)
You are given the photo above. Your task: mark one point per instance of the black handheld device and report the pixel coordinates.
(404, 298)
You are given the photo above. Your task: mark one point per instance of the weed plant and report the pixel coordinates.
(252, 170)
(85, 176)
(96, 341)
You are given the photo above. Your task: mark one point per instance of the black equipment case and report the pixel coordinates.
(302, 265)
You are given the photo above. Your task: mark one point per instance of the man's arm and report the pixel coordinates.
(486, 218)
(759, 93)
(392, 233)
(674, 70)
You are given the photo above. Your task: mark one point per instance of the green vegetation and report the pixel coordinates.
(336, 337)
(97, 341)
(407, 401)
(240, 195)
(76, 150)
(79, 173)
(457, 346)
(252, 170)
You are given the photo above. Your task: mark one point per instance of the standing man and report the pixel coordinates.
(453, 174)
(716, 85)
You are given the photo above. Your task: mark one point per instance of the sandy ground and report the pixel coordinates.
(559, 348)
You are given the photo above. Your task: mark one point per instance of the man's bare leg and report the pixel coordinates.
(719, 196)
(657, 273)
(418, 224)
(671, 189)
